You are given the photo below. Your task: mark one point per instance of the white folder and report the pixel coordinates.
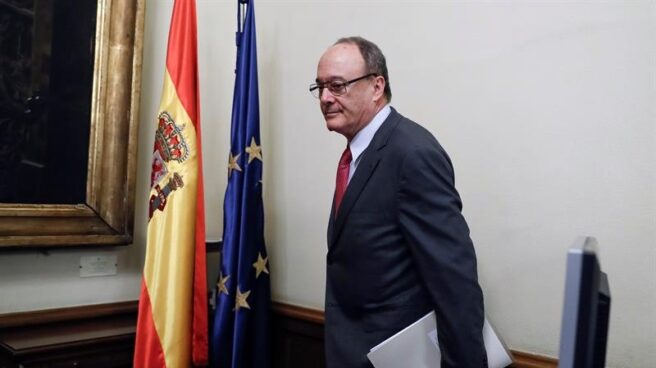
(416, 346)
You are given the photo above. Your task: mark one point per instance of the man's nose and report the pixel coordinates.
(325, 95)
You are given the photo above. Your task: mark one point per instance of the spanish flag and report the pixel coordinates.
(172, 324)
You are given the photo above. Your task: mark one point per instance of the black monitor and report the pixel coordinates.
(586, 310)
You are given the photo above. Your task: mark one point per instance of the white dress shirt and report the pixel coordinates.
(361, 141)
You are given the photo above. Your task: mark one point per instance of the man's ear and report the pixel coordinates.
(379, 87)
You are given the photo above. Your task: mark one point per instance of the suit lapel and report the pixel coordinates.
(331, 223)
(370, 160)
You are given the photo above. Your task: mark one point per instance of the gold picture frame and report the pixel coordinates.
(107, 217)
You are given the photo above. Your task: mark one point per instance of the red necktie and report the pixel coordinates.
(342, 177)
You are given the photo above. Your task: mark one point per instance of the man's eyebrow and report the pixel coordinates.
(331, 79)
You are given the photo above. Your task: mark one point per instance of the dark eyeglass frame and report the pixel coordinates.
(336, 88)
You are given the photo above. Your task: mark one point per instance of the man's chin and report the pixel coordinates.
(332, 124)
(334, 127)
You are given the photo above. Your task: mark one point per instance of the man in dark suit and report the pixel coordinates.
(398, 245)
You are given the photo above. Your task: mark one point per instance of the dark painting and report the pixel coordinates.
(46, 77)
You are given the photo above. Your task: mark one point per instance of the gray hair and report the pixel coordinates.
(374, 60)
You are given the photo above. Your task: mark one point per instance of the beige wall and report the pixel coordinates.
(548, 110)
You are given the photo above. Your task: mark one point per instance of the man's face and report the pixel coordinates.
(350, 112)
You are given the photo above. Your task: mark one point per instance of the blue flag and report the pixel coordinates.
(241, 335)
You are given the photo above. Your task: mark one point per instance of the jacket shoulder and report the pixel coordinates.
(410, 135)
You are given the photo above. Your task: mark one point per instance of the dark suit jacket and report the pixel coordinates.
(399, 248)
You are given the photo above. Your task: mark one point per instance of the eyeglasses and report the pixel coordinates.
(336, 88)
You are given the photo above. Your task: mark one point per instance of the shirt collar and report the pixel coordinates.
(361, 140)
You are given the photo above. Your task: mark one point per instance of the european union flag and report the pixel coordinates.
(240, 336)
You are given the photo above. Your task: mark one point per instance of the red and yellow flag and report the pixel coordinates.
(172, 324)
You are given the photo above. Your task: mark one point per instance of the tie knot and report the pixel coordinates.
(346, 157)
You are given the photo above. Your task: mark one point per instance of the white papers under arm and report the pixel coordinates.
(416, 346)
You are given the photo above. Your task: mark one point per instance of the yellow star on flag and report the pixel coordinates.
(240, 300)
(254, 151)
(221, 285)
(232, 163)
(260, 265)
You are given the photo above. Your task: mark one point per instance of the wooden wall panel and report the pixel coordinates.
(103, 336)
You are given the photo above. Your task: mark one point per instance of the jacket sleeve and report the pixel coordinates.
(438, 236)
